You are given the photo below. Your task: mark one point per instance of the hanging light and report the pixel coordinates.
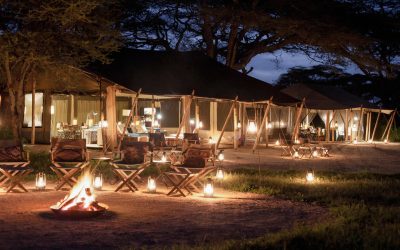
(98, 182)
(40, 181)
(355, 118)
(239, 125)
(252, 127)
(385, 141)
(209, 188)
(221, 156)
(310, 176)
(355, 141)
(200, 125)
(159, 116)
(220, 174)
(151, 185)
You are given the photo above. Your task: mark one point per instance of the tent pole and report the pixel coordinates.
(129, 118)
(185, 114)
(376, 124)
(262, 126)
(153, 106)
(389, 126)
(266, 128)
(359, 123)
(33, 135)
(327, 130)
(197, 116)
(346, 125)
(226, 122)
(235, 128)
(296, 125)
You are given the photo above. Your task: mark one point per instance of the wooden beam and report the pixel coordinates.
(185, 114)
(111, 137)
(327, 128)
(135, 101)
(389, 125)
(266, 129)
(33, 135)
(296, 124)
(262, 126)
(226, 122)
(197, 116)
(153, 106)
(346, 125)
(376, 125)
(235, 128)
(359, 123)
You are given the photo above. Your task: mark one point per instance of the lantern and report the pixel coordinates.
(151, 185)
(211, 140)
(52, 110)
(200, 125)
(103, 124)
(385, 141)
(355, 141)
(191, 121)
(296, 154)
(209, 188)
(159, 116)
(277, 143)
(315, 153)
(41, 181)
(296, 141)
(126, 112)
(74, 122)
(98, 182)
(310, 176)
(239, 125)
(156, 124)
(268, 125)
(220, 174)
(252, 127)
(221, 156)
(164, 157)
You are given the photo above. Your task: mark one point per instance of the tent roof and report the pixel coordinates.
(178, 73)
(326, 97)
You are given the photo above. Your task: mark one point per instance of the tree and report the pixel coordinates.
(51, 35)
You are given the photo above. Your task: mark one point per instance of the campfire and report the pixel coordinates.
(81, 201)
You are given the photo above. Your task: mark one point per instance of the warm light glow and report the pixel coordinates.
(385, 141)
(221, 156)
(191, 121)
(252, 127)
(156, 124)
(40, 181)
(164, 157)
(211, 140)
(277, 143)
(355, 141)
(315, 153)
(74, 122)
(151, 185)
(268, 125)
(90, 122)
(296, 154)
(126, 112)
(220, 174)
(355, 118)
(297, 141)
(310, 176)
(103, 124)
(52, 110)
(58, 125)
(200, 125)
(159, 116)
(209, 188)
(98, 182)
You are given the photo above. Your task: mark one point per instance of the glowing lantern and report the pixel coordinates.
(164, 157)
(52, 110)
(268, 125)
(297, 141)
(209, 188)
(277, 143)
(239, 125)
(191, 121)
(98, 182)
(220, 174)
(336, 124)
(159, 116)
(385, 141)
(151, 185)
(355, 141)
(310, 176)
(355, 118)
(103, 124)
(296, 154)
(200, 125)
(211, 140)
(221, 156)
(41, 181)
(315, 153)
(252, 127)
(156, 124)
(74, 122)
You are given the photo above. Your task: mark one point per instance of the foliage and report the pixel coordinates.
(364, 210)
(40, 162)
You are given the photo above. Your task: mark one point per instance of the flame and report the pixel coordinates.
(81, 195)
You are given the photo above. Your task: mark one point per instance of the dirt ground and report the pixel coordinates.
(152, 220)
(155, 220)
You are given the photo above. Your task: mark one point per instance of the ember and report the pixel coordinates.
(81, 201)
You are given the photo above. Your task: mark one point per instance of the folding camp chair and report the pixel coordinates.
(191, 138)
(68, 157)
(188, 175)
(130, 162)
(159, 145)
(14, 165)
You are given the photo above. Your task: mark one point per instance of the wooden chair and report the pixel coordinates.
(68, 157)
(14, 165)
(130, 162)
(159, 145)
(187, 176)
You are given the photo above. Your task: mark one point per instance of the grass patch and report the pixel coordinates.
(364, 209)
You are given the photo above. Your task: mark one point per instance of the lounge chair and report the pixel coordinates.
(130, 162)
(68, 157)
(14, 165)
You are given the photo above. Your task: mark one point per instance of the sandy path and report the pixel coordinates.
(141, 219)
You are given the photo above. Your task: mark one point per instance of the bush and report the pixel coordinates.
(40, 162)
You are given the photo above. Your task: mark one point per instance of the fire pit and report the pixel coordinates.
(81, 201)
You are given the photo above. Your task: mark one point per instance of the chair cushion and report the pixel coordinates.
(10, 152)
(69, 150)
(196, 152)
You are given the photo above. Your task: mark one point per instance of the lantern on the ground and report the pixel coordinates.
(211, 140)
(98, 182)
(40, 181)
(221, 156)
(191, 121)
(310, 176)
(277, 143)
(315, 153)
(252, 127)
(151, 185)
(209, 188)
(385, 141)
(296, 154)
(355, 141)
(296, 141)
(220, 174)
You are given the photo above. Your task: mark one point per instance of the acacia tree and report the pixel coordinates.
(50, 35)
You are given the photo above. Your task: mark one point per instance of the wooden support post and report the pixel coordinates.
(376, 125)
(226, 122)
(33, 135)
(359, 123)
(235, 127)
(135, 101)
(186, 113)
(297, 122)
(332, 131)
(266, 127)
(197, 116)
(262, 126)
(346, 126)
(111, 140)
(327, 128)
(389, 124)
(153, 113)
